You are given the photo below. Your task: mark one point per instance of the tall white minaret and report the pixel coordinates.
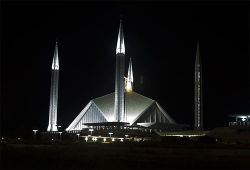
(198, 124)
(119, 77)
(130, 80)
(54, 92)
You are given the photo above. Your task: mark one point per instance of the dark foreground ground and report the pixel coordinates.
(124, 156)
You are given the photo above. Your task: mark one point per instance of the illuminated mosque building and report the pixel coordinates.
(124, 105)
(123, 108)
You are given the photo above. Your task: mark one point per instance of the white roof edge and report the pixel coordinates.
(142, 112)
(77, 119)
(165, 113)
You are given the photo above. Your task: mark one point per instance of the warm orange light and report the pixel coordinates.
(128, 85)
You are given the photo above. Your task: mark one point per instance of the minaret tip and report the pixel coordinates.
(130, 80)
(55, 62)
(120, 48)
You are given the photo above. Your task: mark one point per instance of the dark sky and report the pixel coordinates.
(160, 38)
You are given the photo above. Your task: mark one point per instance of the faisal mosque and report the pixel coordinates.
(124, 108)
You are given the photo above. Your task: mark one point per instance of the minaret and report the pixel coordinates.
(119, 76)
(54, 92)
(130, 80)
(198, 124)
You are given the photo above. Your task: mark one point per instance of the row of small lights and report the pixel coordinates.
(91, 130)
(95, 139)
(4, 138)
(104, 139)
(34, 131)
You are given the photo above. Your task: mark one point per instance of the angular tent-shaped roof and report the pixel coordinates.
(138, 108)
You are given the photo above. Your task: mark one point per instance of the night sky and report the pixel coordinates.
(160, 38)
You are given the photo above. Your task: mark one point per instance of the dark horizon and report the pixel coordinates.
(160, 38)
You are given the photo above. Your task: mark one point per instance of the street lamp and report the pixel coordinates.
(34, 131)
(58, 126)
(78, 135)
(110, 133)
(60, 133)
(91, 130)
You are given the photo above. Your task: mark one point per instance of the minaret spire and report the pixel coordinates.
(119, 109)
(198, 125)
(55, 63)
(120, 47)
(54, 92)
(130, 80)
